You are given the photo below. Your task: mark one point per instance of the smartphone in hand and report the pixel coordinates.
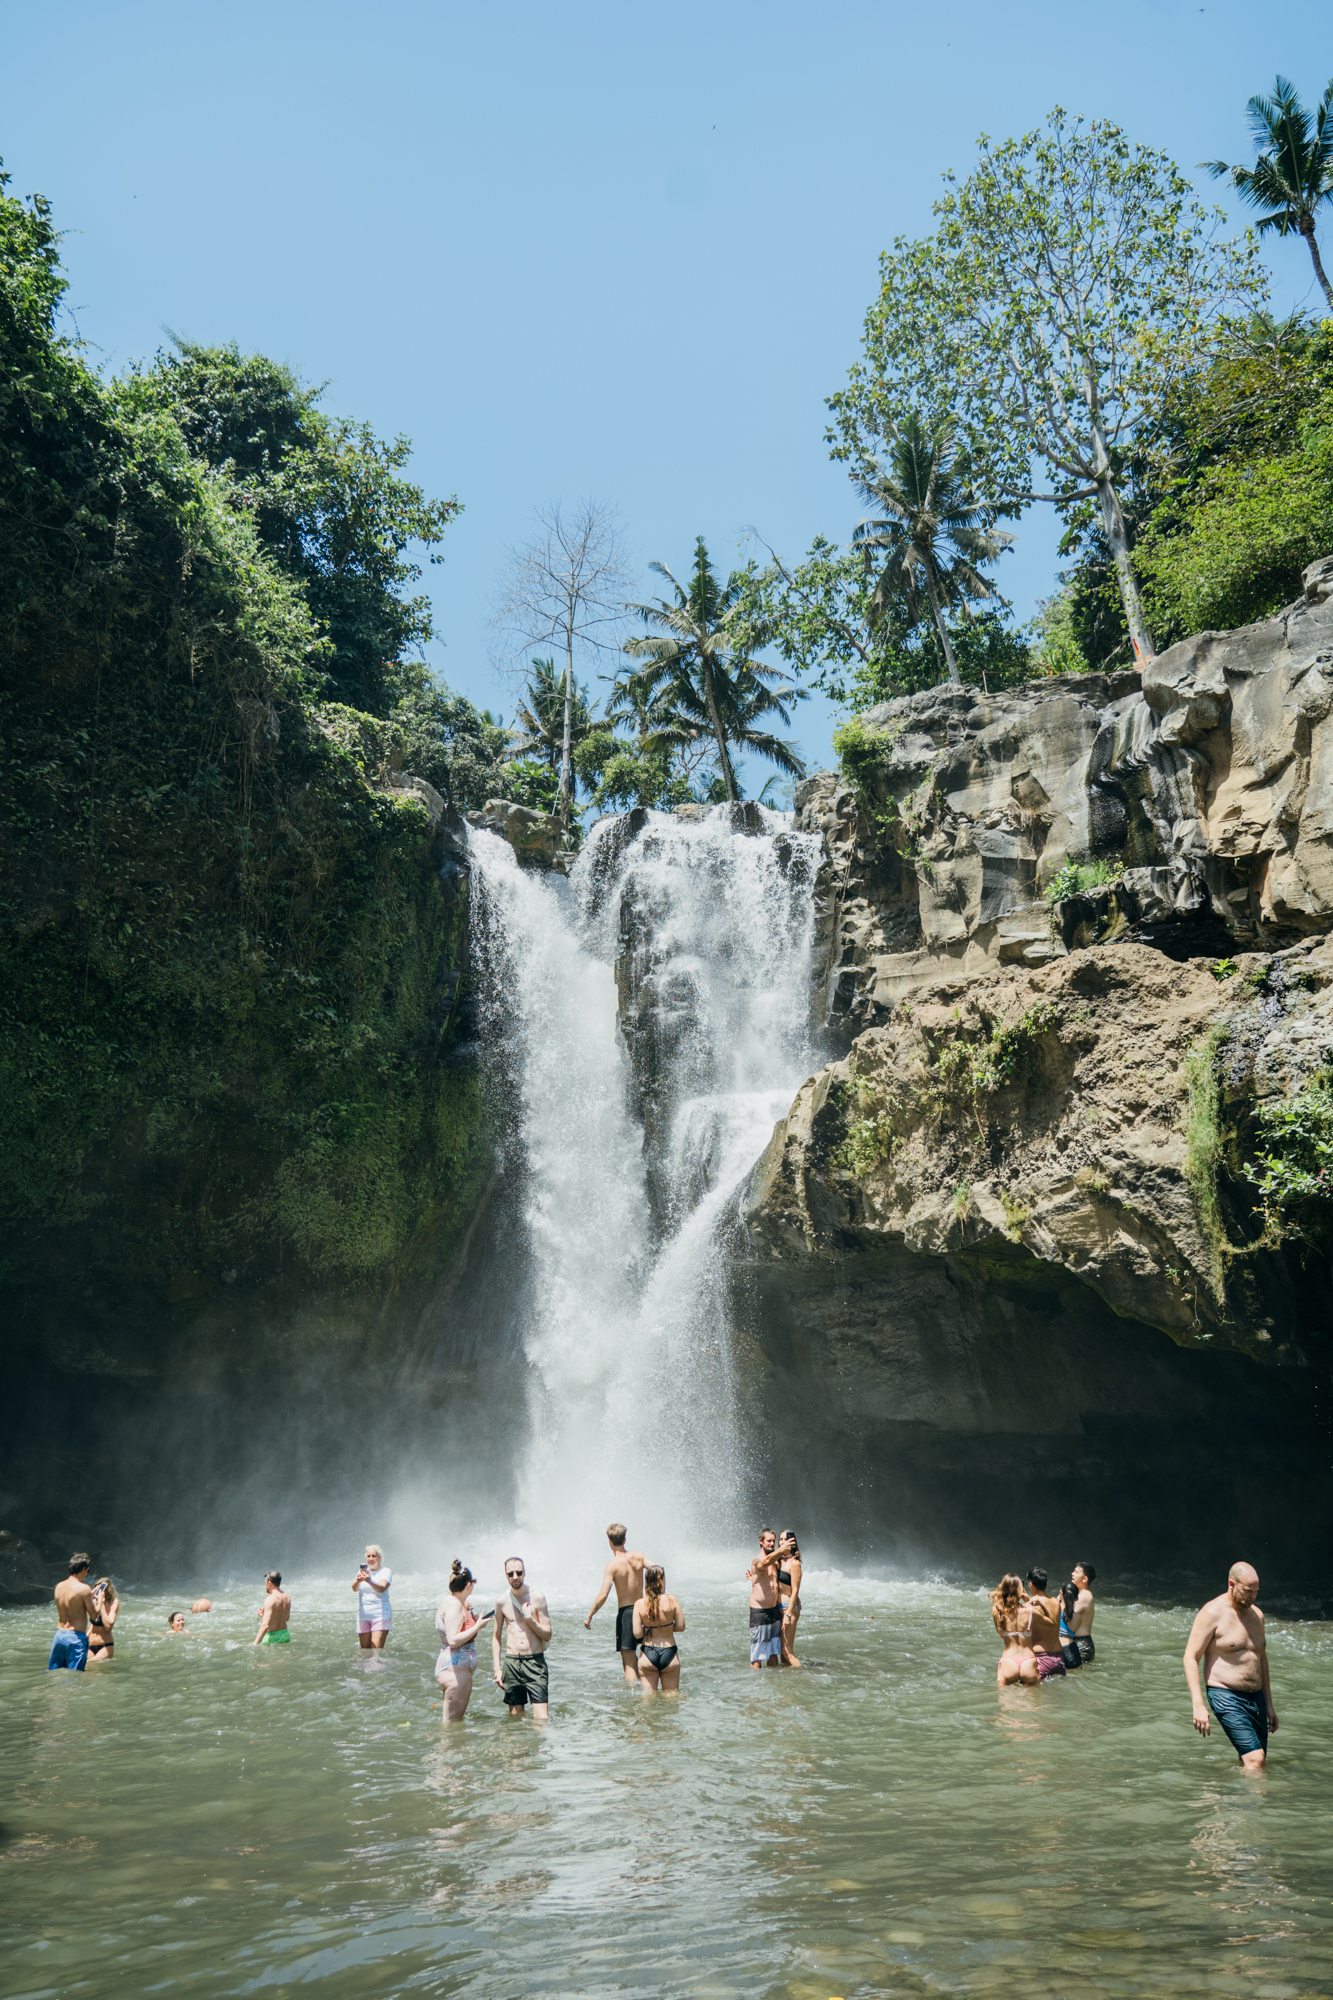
(484, 1616)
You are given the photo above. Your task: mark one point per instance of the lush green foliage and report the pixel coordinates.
(220, 943)
(1075, 877)
(931, 535)
(1293, 1165)
(700, 654)
(1292, 176)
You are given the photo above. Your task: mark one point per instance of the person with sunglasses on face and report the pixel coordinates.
(526, 1622)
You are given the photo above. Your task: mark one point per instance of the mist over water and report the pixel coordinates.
(630, 1162)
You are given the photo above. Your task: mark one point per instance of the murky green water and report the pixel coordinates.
(203, 1819)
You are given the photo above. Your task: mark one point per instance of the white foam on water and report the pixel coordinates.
(626, 1333)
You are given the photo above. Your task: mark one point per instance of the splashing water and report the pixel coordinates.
(636, 1139)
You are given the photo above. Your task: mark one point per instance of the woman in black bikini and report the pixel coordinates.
(657, 1619)
(789, 1592)
(102, 1622)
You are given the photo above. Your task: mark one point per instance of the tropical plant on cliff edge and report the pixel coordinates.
(934, 532)
(702, 652)
(1292, 176)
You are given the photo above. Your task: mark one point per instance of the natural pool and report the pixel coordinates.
(203, 1819)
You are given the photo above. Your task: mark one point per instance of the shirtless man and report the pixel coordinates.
(1044, 1626)
(625, 1571)
(274, 1612)
(1082, 1576)
(1045, 1614)
(527, 1629)
(74, 1598)
(765, 1607)
(1227, 1637)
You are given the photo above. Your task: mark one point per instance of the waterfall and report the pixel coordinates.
(647, 1022)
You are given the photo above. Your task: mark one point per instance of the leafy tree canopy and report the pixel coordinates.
(328, 501)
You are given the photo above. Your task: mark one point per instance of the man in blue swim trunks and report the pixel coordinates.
(74, 1600)
(1227, 1641)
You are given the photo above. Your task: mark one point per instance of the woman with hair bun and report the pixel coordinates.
(458, 1629)
(657, 1619)
(1012, 1615)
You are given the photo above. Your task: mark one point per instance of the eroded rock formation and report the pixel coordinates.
(1205, 785)
(1004, 1257)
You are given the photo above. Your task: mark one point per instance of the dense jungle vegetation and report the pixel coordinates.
(229, 967)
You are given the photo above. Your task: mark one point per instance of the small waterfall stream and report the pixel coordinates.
(633, 1135)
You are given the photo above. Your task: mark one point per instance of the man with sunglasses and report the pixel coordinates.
(522, 1678)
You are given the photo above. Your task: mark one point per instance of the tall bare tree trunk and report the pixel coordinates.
(1307, 231)
(1113, 521)
(949, 659)
(727, 778)
(569, 719)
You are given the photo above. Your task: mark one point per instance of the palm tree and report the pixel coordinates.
(936, 531)
(540, 721)
(701, 659)
(1293, 174)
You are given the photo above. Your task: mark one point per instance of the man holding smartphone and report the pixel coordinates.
(522, 1678)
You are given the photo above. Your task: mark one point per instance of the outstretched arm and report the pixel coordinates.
(1201, 1632)
(600, 1598)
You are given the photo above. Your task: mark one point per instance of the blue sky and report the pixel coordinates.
(593, 250)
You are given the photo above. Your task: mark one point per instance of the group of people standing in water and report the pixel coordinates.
(1043, 1636)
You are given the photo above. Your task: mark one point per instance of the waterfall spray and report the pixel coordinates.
(650, 1019)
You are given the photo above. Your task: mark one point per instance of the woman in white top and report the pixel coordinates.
(458, 1627)
(374, 1613)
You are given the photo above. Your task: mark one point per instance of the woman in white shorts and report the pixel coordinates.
(458, 1629)
(374, 1613)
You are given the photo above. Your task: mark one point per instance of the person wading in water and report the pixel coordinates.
(789, 1593)
(624, 1575)
(527, 1629)
(458, 1626)
(74, 1601)
(656, 1620)
(765, 1609)
(103, 1614)
(274, 1612)
(1012, 1618)
(1228, 1640)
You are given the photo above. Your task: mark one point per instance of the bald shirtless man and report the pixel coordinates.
(1227, 1638)
(624, 1574)
(74, 1600)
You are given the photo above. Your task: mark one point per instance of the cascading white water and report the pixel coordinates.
(626, 1331)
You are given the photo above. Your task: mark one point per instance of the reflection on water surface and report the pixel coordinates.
(204, 1819)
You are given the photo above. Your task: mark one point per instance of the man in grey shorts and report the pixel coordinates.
(526, 1621)
(624, 1572)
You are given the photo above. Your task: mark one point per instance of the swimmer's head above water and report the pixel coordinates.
(177, 1621)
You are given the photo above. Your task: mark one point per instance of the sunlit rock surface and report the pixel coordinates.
(1208, 781)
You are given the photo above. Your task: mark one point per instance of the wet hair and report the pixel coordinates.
(654, 1583)
(616, 1534)
(76, 1563)
(273, 1576)
(460, 1576)
(1038, 1578)
(768, 1531)
(1006, 1596)
(1087, 1570)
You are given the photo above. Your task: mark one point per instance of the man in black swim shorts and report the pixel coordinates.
(624, 1574)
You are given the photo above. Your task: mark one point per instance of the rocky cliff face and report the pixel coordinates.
(1004, 1256)
(1204, 788)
